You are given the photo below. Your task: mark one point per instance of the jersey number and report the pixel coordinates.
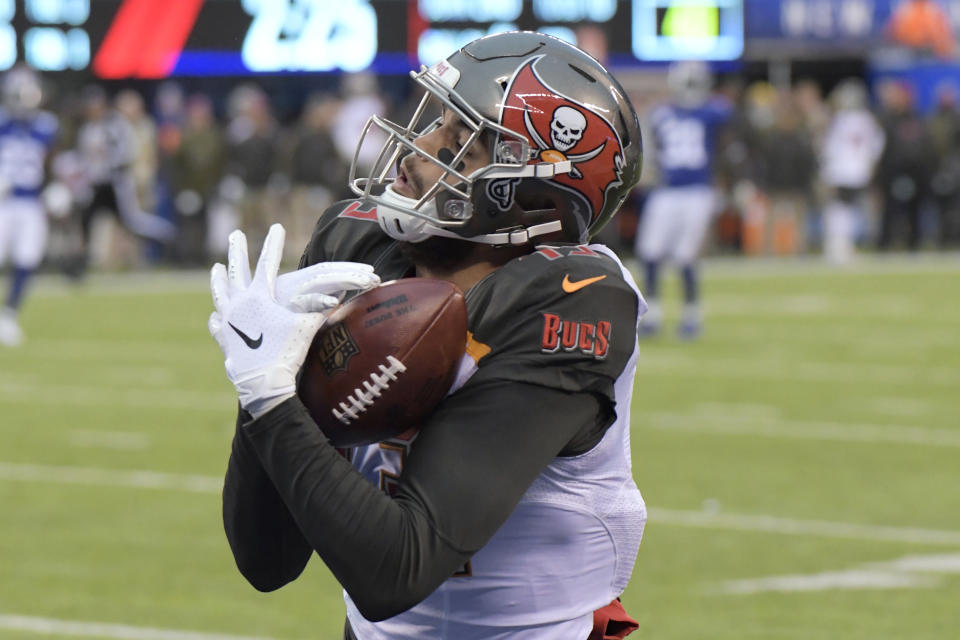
(21, 162)
(684, 144)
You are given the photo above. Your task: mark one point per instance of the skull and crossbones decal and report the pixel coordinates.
(566, 130)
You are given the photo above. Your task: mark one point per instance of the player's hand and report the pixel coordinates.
(265, 324)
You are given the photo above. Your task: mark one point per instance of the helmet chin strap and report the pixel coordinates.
(398, 223)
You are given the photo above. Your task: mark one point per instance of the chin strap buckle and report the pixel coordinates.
(518, 235)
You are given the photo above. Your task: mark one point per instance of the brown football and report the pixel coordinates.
(384, 359)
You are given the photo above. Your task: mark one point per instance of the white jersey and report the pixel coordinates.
(851, 148)
(568, 548)
(106, 147)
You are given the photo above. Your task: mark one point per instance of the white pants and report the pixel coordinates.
(23, 232)
(839, 230)
(675, 222)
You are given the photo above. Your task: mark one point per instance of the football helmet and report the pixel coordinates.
(561, 139)
(690, 82)
(22, 91)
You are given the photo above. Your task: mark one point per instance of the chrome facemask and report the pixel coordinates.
(415, 220)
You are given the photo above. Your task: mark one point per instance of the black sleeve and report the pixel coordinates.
(267, 545)
(467, 470)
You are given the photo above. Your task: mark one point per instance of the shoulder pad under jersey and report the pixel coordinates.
(563, 316)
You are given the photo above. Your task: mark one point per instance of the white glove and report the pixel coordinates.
(265, 325)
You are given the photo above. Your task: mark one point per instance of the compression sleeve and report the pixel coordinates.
(267, 545)
(468, 469)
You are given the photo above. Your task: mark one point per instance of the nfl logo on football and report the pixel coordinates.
(336, 349)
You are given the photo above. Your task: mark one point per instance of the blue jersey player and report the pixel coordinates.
(677, 214)
(26, 137)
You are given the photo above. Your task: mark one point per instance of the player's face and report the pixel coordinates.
(416, 174)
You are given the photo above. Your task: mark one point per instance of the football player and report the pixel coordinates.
(26, 136)
(677, 214)
(852, 146)
(512, 513)
(106, 144)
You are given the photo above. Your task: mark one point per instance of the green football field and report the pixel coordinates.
(801, 463)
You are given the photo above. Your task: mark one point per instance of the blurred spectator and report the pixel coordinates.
(816, 115)
(592, 38)
(168, 108)
(65, 248)
(813, 110)
(143, 167)
(318, 171)
(760, 115)
(734, 169)
(923, 26)
(906, 167)
(107, 149)
(361, 97)
(787, 166)
(944, 125)
(252, 145)
(851, 147)
(197, 169)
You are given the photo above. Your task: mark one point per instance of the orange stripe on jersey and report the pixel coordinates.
(475, 348)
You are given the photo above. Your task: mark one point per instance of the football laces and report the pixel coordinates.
(358, 401)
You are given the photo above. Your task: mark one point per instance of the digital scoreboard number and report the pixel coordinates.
(687, 29)
(150, 39)
(49, 35)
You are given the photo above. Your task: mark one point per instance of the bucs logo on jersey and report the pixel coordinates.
(563, 129)
(336, 348)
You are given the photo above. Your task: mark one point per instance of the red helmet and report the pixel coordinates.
(564, 141)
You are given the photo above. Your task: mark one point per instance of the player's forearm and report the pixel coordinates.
(469, 468)
(267, 545)
(384, 552)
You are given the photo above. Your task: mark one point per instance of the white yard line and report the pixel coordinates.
(773, 427)
(118, 440)
(803, 305)
(134, 478)
(852, 579)
(907, 572)
(764, 268)
(873, 339)
(699, 365)
(940, 563)
(792, 526)
(128, 352)
(75, 628)
(142, 283)
(140, 479)
(12, 392)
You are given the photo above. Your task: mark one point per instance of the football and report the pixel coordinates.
(384, 359)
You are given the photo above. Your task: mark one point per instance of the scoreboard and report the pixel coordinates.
(114, 39)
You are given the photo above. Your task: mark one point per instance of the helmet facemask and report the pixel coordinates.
(452, 204)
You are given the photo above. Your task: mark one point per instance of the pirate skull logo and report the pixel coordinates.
(566, 128)
(561, 130)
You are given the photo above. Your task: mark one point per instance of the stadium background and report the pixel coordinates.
(798, 460)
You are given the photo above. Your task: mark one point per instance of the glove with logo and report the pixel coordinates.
(265, 324)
